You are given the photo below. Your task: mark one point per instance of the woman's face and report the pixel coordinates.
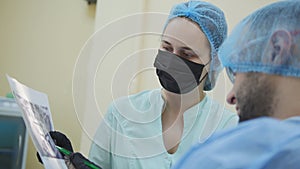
(185, 39)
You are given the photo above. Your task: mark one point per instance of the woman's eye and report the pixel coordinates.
(167, 48)
(187, 55)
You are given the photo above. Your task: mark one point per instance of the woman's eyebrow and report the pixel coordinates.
(164, 41)
(183, 48)
(186, 48)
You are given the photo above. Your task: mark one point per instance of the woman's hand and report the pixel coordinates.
(60, 140)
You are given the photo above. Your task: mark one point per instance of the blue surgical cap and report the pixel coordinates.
(253, 44)
(211, 21)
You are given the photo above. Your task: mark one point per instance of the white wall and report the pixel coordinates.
(39, 44)
(118, 58)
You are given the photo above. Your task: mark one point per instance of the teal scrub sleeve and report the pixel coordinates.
(100, 150)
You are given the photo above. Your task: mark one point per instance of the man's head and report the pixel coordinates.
(261, 55)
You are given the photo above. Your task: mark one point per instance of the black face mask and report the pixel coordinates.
(176, 74)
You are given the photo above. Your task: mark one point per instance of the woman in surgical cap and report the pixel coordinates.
(154, 128)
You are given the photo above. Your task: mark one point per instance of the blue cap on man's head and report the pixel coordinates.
(211, 21)
(266, 41)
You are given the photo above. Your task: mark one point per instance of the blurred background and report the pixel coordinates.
(85, 55)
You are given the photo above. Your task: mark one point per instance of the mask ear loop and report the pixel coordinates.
(203, 78)
(206, 73)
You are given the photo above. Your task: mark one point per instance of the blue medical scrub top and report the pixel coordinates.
(263, 143)
(130, 136)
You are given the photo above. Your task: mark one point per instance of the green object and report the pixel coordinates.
(67, 152)
(9, 95)
(64, 151)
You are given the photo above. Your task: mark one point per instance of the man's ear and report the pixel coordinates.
(280, 45)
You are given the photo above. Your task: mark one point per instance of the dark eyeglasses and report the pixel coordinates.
(231, 74)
